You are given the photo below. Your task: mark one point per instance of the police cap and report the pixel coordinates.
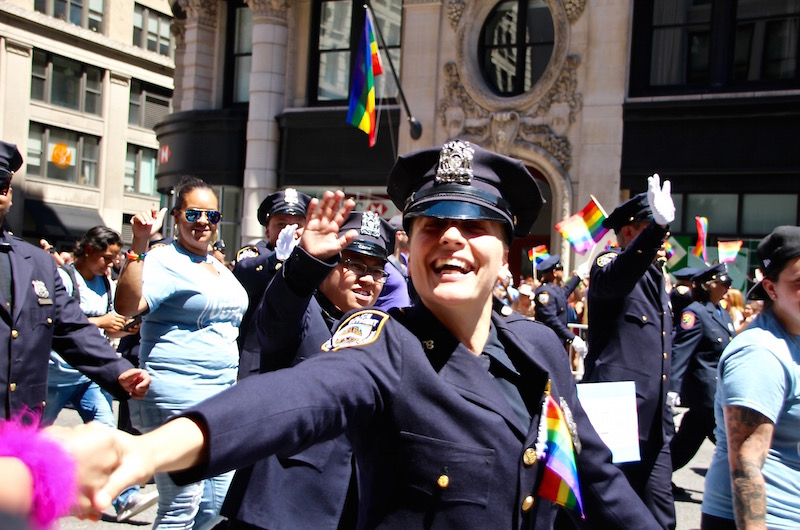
(10, 160)
(685, 273)
(375, 236)
(634, 209)
(463, 181)
(774, 252)
(289, 201)
(718, 272)
(549, 263)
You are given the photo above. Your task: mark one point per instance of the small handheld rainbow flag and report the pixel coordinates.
(702, 232)
(560, 479)
(728, 250)
(584, 229)
(538, 253)
(361, 110)
(669, 250)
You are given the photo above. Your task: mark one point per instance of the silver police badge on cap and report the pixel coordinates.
(290, 196)
(370, 224)
(455, 163)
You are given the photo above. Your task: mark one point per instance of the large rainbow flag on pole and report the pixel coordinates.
(702, 233)
(584, 229)
(560, 479)
(728, 250)
(361, 111)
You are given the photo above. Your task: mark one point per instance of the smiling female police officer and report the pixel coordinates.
(442, 403)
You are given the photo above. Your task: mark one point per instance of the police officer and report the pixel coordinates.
(256, 264)
(630, 331)
(448, 405)
(36, 313)
(705, 330)
(299, 312)
(681, 294)
(551, 300)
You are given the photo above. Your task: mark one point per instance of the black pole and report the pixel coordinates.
(415, 127)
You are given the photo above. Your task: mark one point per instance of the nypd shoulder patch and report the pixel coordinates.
(359, 329)
(543, 298)
(687, 320)
(605, 259)
(250, 251)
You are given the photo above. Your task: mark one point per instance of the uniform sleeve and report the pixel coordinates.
(754, 378)
(688, 334)
(570, 286)
(546, 313)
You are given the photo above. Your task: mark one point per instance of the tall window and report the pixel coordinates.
(66, 83)
(87, 14)
(516, 45)
(698, 46)
(334, 47)
(140, 170)
(59, 154)
(148, 104)
(151, 30)
(239, 53)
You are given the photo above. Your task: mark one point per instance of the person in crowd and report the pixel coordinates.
(754, 477)
(551, 300)
(397, 289)
(524, 302)
(188, 344)
(86, 280)
(751, 310)
(283, 215)
(38, 315)
(705, 330)
(630, 331)
(446, 404)
(734, 304)
(504, 289)
(299, 311)
(680, 296)
(218, 251)
(53, 251)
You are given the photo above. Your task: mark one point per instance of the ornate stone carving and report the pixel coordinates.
(200, 11)
(178, 30)
(455, 8)
(574, 9)
(544, 123)
(277, 9)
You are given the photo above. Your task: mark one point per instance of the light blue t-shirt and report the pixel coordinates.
(760, 370)
(189, 337)
(94, 303)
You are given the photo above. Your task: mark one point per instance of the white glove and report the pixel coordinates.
(660, 200)
(583, 270)
(579, 346)
(673, 400)
(286, 242)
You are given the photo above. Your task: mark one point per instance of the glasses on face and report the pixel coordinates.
(361, 269)
(193, 215)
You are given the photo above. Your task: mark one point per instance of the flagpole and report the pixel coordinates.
(415, 127)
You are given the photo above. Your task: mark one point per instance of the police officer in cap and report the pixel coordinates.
(704, 331)
(444, 403)
(630, 332)
(552, 299)
(283, 215)
(37, 314)
(299, 312)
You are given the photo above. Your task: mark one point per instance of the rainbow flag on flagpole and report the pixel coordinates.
(728, 250)
(702, 233)
(361, 111)
(584, 229)
(555, 445)
(538, 253)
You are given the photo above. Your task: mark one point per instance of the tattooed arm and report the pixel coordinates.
(749, 440)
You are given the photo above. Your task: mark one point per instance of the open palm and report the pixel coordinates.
(324, 220)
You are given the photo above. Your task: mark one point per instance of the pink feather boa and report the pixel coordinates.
(52, 468)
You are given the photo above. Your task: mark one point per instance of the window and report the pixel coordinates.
(59, 154)
(151, 30)
(66, 83)
(239, 53)
(516, 45)
(699, 46)
(140, 170)
(762, 213)
(335, 45)
(148, 104)
(87, 14)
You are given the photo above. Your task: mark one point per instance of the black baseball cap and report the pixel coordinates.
(774, 252)
(289, 201)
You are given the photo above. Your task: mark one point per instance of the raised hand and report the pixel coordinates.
(660, 200)
(286, 242)
(147, 223)
(324, 219)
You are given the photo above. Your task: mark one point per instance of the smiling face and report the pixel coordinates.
(346, 290)
(195, 237)
(455, 263)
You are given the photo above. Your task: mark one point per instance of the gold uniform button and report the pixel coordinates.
(663, 377)
(12, 387)
(14, 333)
(49, 321)
(260, 268)
(644, 318)
(665, 355)
(443, 481)
(529, 456)
(663, 333)
(527, 504)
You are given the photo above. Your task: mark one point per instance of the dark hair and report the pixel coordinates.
(99, 238)
(188, 183)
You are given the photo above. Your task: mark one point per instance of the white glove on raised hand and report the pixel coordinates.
(583, 270)
(673, 400)
(660, 200)
(579, 346)
(286, 242)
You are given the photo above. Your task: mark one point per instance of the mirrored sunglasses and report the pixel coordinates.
(193, 215)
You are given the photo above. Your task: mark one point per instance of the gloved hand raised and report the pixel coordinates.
(660, 200)
(286, 242)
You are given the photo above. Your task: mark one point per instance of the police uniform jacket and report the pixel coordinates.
(630, 333)
(437, 443)
(44, 316)
(551, 308)
(255, 266)
(703, 332)
(293, 490)
(679, 298)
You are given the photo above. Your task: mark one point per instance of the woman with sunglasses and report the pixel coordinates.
(188, 345)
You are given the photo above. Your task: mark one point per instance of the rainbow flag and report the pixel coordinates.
(538, 253)
(702, 232)
(361, 111)
(584, 229)
(560, 478)
(728, 250)
(670, 250)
